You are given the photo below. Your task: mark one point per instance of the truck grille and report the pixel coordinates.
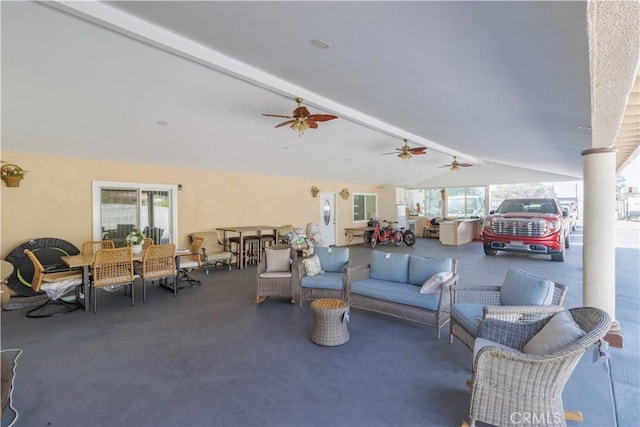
(520, 227)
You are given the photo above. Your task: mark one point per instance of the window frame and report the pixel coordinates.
(353, 206)
(98, 186)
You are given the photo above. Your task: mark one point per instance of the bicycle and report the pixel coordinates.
(408, 237)
(385, 235)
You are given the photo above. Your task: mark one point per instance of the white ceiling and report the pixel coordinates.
(503, 85)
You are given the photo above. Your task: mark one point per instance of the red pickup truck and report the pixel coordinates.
(528, 225)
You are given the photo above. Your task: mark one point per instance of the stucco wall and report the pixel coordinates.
(54, 198)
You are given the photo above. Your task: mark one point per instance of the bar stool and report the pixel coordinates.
(250, 252)
(266, 240)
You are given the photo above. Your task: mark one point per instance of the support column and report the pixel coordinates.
(598, 256)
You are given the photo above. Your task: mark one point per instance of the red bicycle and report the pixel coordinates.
(386, 235)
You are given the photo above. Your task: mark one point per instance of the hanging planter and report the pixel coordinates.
(443, 194)
(12, 174)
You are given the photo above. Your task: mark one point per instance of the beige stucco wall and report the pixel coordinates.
(54, 198)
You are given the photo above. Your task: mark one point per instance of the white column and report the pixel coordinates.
(598, 256)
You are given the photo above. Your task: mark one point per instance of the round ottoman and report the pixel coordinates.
(330, 316)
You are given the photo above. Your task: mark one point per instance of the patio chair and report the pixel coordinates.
(158, 263)
(112, 269)
(191, 262)
(57, 286)
(91, 247)
(514, 375)
(324, 277)
(522, 297)
(274, 274)
(213, 252)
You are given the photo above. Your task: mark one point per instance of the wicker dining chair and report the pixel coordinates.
(158, 263)
(148, 241)
(112, 268)
(274, 274)
(56, 285)
(93, 246)
(507, 381)
(191, 262)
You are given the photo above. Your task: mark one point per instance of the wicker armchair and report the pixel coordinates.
(488, 306)
(273, 277)
(507, 382)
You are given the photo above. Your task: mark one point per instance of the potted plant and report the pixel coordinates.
(12, 174)
(135, 239)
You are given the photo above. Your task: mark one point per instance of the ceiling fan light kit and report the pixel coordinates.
(405, 152)
(301, 119)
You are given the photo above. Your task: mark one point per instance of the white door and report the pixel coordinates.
(328, 218)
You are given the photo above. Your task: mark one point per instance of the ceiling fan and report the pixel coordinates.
(301, 119)
(455, 164)
(405, 152)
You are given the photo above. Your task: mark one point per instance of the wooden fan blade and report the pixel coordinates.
(464, 165)
(393, 152)
(418, 150)
(277, 115)
(288, 122)
(445, 166)
(321, 117)
(312, 123)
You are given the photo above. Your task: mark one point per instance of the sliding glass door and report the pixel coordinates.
(120, 208)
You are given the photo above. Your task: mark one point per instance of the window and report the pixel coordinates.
(364, 206)
(465, 202)
(119, 208)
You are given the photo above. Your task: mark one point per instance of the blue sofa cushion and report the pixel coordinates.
(523, 288)
(323, 281)
(468, 315)
(421, 268)
(332, 259)
(390, 267)
(401, 293)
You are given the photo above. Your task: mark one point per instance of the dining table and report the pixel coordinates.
(241, 230)
(85, 261)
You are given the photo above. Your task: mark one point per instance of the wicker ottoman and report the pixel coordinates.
(330, 316)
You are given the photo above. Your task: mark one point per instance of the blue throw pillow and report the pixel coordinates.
(390, 267)
(422, 268)
(332, 259)
(523, 288)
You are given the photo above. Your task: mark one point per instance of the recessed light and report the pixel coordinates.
(161, 123)
(320, 44)
(286, 147)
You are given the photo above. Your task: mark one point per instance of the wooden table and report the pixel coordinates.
(86, 261)
(241, 230)
(353, 232)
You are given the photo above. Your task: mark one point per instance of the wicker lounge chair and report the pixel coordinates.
(487, 300)
(507, 381)
(274, 276)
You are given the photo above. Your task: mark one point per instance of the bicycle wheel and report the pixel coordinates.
(374, 241)
(397, 238)
(409, 238)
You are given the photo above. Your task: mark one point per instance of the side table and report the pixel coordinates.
(330, 317)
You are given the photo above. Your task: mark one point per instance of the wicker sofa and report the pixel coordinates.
(391, 284)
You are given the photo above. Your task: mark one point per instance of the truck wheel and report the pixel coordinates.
(559, 257)
(489, 251)
(566, 242)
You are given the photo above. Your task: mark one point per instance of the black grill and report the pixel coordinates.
(519, 227)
